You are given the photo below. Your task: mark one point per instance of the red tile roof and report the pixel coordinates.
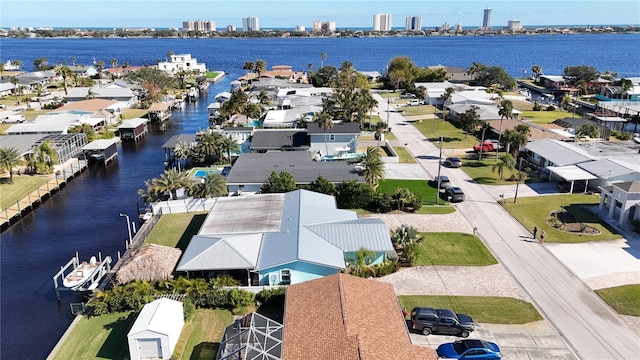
(345, 317)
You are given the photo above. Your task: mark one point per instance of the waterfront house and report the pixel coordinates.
(83, 71)
(274, 239)
(435, 90)
(56, 123)
(352, 316)
(67, 146)
(156, 331)
(6, 87)
(264, 140)
(125, 96)
(242, 135)
(159, 112)
(132, 129)
(251, 170)
(182, 62)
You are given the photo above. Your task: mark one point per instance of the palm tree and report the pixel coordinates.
(1, 70)
(9, 159)
(209, 144)
(15, 81)
(322, 57)
(446, 97)
(506, 109)
(73, 61)
(170, 53)
(182, 151)
(63, 71)
(536, 70)
(213, 185)
(44, 157)
(17, 64)
(260, 66)
(114, 63)
(229, 145)
(91, 94)
(360, 266)
(374, 167)
(404, 235)
(324, 121)
(249, 66)
(513, 140)
(506, 161)
(302, 120)
(565, 101)
(39, 90)
(170, 182)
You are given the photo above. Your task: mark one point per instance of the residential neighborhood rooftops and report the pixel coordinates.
(277, 139)
(255, 168)
(87, 105)
(607, 168)
(22, 143)
(179, 138)
(338, 128)
(558, 152)
(238, 215)
(353, 319)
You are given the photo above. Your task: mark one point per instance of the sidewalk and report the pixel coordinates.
(587, 324)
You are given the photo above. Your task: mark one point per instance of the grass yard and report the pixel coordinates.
(421, 187)
(98, 337)
(624, 299)
(403, 154)
(175, 230)
(389, 94)
(544, 117)
(484, 309)
(22, 186)
(134, 113)
(201, 335)
(452, 137)
(450, 248)
(32, 114)
(482, 171)
(418, 110)
(533, 211)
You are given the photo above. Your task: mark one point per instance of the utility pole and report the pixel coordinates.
(388, 104)
(515, 197)
(484, 128)
(439, 167)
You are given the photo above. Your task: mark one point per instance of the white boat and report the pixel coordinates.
(343, 154)
(80, 275)
(636, 138)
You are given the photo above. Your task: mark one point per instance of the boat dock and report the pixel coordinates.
(14, 213)
(90, 282)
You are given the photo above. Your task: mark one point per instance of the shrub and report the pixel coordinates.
(386, 268)
(624, 136)
(381, 203)
(270, 296)
(189, 308)
(536, 106)
(551, 108)
(224, 280)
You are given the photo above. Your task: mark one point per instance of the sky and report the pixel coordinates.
(289, 13)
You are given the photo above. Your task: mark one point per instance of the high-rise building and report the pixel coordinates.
(188, 25)
(198, 25)
(486, 20)
(299, 28)
(414, 23)
(230, 28)
(324, 26)
(382, 22)
(250, 23)
(458, 27)
(445, 27)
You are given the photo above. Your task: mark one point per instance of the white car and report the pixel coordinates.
(414, 102)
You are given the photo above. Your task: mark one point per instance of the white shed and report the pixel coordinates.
(156, 331)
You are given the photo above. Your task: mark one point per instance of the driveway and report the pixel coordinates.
(586, 323)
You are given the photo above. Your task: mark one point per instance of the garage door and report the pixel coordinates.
(149, 348)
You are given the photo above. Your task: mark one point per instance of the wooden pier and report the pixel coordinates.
(14, 213)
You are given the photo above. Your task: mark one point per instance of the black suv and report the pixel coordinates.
(428, 320)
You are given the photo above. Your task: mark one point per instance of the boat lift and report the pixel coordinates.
(92, 281)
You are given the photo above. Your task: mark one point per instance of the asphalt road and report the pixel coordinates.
(588, 325)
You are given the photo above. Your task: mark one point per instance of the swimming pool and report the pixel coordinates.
(203, 173)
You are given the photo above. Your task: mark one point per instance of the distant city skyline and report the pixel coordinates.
(345, 14)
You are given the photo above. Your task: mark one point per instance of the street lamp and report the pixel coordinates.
(128, 225)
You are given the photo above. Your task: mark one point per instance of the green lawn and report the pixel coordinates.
(105, 336)
(453, 138)
(418, 110)
(624, 299)
(134, 113)
(201, 335)
(394, 94)
(421, 187)
(484, 309)
(532, 211)
(211, 74)
(175, 230)
(22, 186)
(448, 248)
(544, 117)
(403, 154)
(102, 337)
(482, 171)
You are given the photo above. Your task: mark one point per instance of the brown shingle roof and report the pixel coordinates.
(345, 317)
(536, 133)
(88, 105)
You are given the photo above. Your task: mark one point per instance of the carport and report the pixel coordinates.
(571, 173)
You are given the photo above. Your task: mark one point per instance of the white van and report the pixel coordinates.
(13, 119)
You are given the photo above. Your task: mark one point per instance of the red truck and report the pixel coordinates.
(484, 147)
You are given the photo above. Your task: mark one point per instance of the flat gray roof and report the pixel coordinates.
(22, 143)
(175, 139)
(261, 214)
(279, 139)
(255, 168)
(100, 144)
(338, 128)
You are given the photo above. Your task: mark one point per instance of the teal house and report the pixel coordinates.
(281, 239)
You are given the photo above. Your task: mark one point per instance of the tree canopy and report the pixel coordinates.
(491, 76)
(581, 74)
(279, 183)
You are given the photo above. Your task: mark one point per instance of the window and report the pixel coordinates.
(332, 137)
(285, 277)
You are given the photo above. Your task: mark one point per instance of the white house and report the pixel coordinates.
(156, 330)
(182, 62)
(622, 200)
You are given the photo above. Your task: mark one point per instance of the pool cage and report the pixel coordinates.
(254, 337)
(66, 145)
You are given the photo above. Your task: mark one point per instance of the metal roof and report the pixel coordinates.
(238, 215)
(608, 168)
(351, 235)
(22, 143)
(628, 186)
(255, 168)
(558, 152)
(100, 144)
(162, 316)
(179, 138)
(571, 173)
(230, 252)
(133, 123)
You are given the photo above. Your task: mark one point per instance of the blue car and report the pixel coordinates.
(469, 349)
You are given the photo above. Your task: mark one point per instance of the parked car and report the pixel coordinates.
(407, 96)
(3, 106)
(444, 182)
(13, 119)
(452, 162)
(469, 349)
(484, 147)
(428, 320)
(414, 102)
(454, 193)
